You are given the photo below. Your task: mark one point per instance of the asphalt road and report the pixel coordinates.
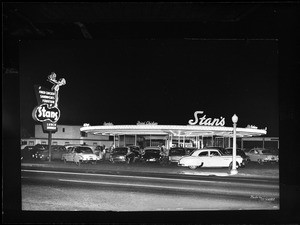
(57, 186)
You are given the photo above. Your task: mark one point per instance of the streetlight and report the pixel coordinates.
(233, 170)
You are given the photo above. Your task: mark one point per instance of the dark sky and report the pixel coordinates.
(161, 80)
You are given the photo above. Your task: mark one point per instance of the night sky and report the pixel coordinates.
(161, 80)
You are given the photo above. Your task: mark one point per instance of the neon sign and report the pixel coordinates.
(206, 121)
(47, 110)
(43, 113)
(146, 123)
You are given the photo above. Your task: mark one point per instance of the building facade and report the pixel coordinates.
(71, 134)
(67, 134)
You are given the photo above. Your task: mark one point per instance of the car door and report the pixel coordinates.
(203, 157)
(217, 160)
(253, 154)
(70, 154)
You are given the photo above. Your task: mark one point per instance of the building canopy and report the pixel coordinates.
(172, 130)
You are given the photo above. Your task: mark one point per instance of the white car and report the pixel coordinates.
(80, 154)
(262, 155)
(209, 158)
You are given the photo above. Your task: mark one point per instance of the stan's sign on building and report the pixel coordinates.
(47, 110)
(206, 121)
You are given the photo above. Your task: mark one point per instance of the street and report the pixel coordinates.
(69, 188)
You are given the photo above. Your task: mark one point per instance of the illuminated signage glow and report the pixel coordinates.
(43, 113)
(206, 121)
(47, 110)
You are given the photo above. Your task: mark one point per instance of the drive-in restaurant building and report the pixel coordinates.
(191, 135)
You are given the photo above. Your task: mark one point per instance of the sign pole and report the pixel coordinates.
(49, 144)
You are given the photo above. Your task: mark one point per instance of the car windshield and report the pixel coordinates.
(149, 151)
(177, 151)
(120, 150)
(84, 150)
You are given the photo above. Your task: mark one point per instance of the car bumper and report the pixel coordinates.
(151, 160)
(88, 160)
(118, 159)
(181, 164)
(270, 160)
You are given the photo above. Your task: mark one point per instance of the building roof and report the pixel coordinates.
(174, 130)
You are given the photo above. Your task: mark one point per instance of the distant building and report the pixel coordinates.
(67, 134)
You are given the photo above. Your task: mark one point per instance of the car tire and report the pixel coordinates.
(193, 167)
(78, 163)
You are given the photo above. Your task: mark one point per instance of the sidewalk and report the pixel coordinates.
(252, 170)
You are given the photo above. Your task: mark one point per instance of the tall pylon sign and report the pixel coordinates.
(47, 111)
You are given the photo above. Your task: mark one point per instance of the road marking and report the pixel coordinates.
(212, 191)
(143, 177)
(127, 184)
(112, 175)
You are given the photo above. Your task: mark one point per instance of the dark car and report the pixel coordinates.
(41, 147)
(28, 153)
(56, 153)
(136, 152)
(189, 150)
(151, 154)
(176, 153)
(122, 154)
(239, 152)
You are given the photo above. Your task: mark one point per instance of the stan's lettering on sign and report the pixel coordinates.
(43, 113)
(206, 121)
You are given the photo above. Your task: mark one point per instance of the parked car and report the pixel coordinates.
(80, 154)
(41, 146)
(56, 153)
(262, 155)
(239, 152)
(40, 152)
(208, 158)
(151, 154)
(221, 149)
(28, 152)
(136, 151)
(189, 150)
(122, 154)
(176, 153)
